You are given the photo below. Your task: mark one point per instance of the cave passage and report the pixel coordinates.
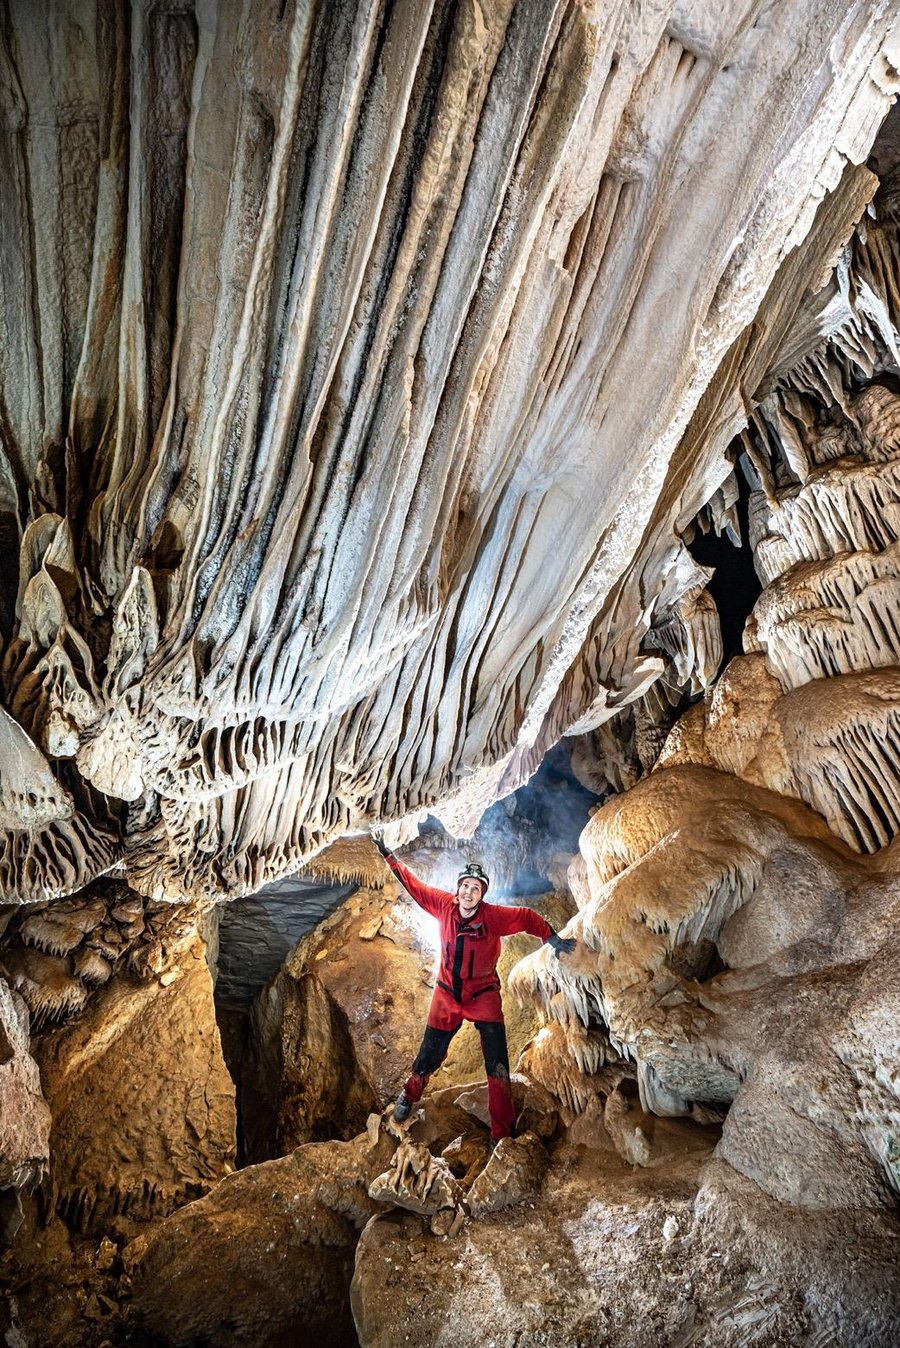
(735, 586)
(360, 366)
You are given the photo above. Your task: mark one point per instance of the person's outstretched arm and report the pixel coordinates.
(432, 900)
(511, 920)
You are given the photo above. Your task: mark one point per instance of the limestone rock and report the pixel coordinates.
(417, 1180)
(588, 1129)
(303, 365)
(56, 955)
(594, 1262)
(806, 930)
(315, 321)
(513, 1173)
(572, 1063)
(142, 1105)
(627, 1136)
(303, 1081)
(335, 1031)
(266, 1258)
(24, 1115)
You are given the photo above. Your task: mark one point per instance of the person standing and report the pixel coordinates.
(468, 986)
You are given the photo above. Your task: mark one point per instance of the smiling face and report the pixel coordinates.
(468, 895)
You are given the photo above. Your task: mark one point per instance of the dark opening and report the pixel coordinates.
(519, 835)
(735, 585)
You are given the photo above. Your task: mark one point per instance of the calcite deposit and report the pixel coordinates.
(387, 392)
(317, 321)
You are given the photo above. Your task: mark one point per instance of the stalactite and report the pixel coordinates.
(58, 955)
(302, 368)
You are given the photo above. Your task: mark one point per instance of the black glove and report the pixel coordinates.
(378, 840)
(563, 945)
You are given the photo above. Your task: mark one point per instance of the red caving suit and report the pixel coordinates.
(468, 987)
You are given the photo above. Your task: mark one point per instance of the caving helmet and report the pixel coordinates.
(474, 871)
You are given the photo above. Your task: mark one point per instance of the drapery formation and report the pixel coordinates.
(344, 349)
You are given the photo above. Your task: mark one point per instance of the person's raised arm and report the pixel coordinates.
(510, 920)
(432, 900)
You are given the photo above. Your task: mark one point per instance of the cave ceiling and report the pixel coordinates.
(360, 367)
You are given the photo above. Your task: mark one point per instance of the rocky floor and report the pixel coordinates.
(556, 1238)
(63, 1291)
(547, 1272)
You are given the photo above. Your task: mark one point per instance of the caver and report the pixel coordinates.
(468, 987)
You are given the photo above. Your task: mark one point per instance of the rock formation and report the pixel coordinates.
(417, 1181)
(377, 383)
(613, 1255)
(146, 1057)
(24, 1116)
(266, 1258)
(338, 315)
(57, 955)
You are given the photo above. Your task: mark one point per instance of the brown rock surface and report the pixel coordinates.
(265, 1260)
(513, 1173)
(24, 1115)
(649, 1258)
(142, 1104)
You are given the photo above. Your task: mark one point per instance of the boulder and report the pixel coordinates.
(264, 1260)
(513, 1173)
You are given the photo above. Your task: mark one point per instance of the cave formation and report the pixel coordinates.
(480, 421)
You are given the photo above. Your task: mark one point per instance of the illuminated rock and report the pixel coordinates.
(265, 1258)
(142, 1105)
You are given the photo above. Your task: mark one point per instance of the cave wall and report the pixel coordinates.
(738, 904)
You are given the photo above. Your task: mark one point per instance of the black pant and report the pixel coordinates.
(435, 1044)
